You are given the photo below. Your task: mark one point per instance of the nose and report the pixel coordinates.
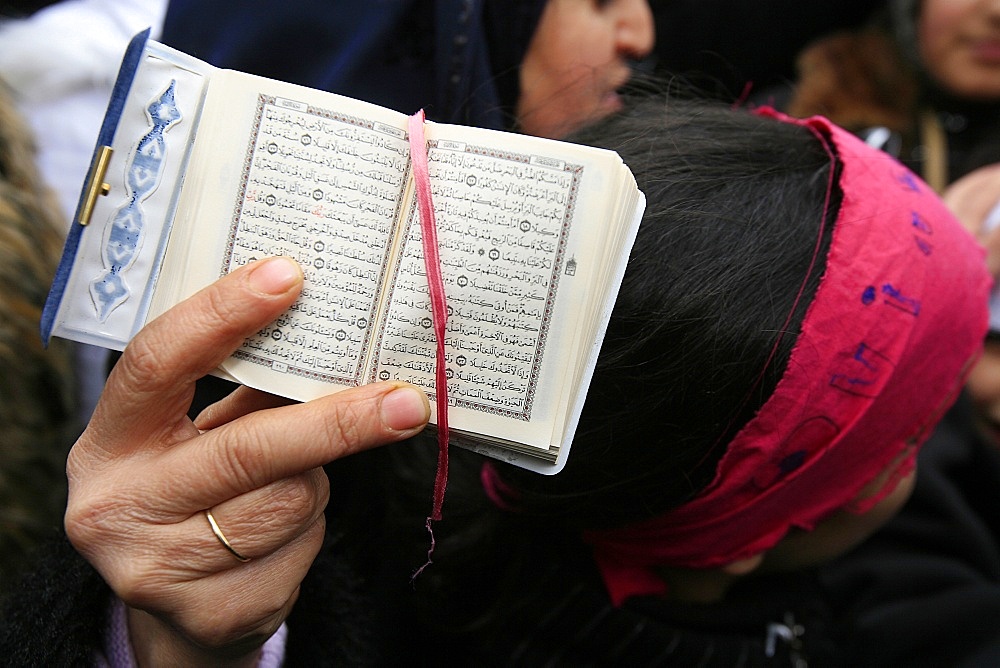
(635, 33)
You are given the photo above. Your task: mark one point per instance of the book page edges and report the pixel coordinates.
(620, 237)
(531, 461)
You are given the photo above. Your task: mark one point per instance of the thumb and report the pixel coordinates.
(157, 371)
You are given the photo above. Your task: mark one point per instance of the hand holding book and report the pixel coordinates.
(213, 169)
(125, 469)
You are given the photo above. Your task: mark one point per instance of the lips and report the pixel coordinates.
(611, 103)
(612, 100)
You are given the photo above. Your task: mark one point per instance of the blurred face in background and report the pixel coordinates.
(975, 201)
(984, 390)
(960, 46)
(578, 60)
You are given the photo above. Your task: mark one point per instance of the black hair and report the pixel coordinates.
(734, 214)
(510, 26)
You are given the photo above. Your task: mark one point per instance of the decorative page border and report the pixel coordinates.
(576, 173)
(282, 365)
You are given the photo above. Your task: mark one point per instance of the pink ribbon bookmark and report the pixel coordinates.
(439, 310)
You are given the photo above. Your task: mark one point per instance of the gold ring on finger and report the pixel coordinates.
(222, 537)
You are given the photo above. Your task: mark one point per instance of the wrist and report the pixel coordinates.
(156, 643)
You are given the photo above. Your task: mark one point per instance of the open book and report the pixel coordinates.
(199, 170)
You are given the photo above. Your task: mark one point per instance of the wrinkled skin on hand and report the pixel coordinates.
(143, 473)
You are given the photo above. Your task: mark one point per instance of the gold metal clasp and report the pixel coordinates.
(95, 183)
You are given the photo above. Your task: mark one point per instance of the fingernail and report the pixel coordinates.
(405, 408)
(275, 276)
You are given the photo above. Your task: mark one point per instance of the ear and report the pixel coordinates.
(743, 566)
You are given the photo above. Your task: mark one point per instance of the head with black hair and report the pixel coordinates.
(780, 308)
(734, 207)
(797, 312)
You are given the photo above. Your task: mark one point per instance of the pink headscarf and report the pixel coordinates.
(898, 318)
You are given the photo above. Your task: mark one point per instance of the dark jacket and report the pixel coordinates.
(925, 589)
(457, 59)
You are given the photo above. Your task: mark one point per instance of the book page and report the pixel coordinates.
(324, 188)
(526, 232)
(518, 222)
(320, 179)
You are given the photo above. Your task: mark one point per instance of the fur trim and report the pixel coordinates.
(858, 81)
(38, 387)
